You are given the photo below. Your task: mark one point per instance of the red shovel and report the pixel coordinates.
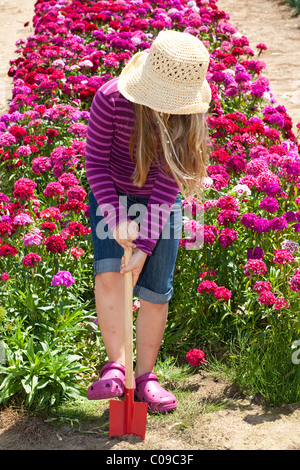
(128, 417)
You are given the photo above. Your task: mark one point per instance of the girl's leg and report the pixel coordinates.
(150, 327)
(109, 297)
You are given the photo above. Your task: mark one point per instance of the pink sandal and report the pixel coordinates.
(148, 390)
(111, 383)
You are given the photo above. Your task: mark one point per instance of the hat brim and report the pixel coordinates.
(141, 87)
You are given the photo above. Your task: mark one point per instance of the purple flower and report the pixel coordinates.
(270, 204)
(63, 278)
(243, 77)
(248, 220)
(271, 188)
(255, 253)
(278, 223)
(290, 216)
(261, 225)
(276, 118)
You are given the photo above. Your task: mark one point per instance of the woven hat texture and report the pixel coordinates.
(170, 78)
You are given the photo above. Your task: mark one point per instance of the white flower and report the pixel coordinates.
(290, 245)
(207, 182)
(241, 189)
(266, 97)
(237, 35)
(86, 63)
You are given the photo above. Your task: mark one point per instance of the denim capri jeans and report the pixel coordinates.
(155, 283)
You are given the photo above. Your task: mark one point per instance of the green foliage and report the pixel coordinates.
(295, 4)
(40, 373)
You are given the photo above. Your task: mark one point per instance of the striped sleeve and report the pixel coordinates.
(159, 208)
(97, 158)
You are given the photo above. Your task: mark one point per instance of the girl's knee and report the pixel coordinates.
(108, 282)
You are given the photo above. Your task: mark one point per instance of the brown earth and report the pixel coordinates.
(217, 418)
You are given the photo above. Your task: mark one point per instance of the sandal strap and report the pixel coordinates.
(146, 378)
(110, 366)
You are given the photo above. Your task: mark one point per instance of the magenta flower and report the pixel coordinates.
(53, 189)
(64, 278)
(227, 237)
(207, 286)
(222, 292)
(270, 204)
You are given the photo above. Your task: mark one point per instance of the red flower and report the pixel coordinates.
(195, 357)
(5, 229)
(31, 259)
(6, 250)
(72, 205)
(55, 244)
(48, 226)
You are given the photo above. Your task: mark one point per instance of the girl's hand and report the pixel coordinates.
(135, 264)
(125, 233)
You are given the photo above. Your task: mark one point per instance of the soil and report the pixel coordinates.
(224, 420)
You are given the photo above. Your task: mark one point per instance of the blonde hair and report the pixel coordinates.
(177, 141)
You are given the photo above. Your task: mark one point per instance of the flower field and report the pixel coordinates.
(236, 297)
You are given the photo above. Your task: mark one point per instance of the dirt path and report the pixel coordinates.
(13, 15)
(237, 423)
(272, 22)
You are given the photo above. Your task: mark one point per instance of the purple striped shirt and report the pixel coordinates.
(109, 167)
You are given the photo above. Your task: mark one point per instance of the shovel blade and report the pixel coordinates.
(127, 417)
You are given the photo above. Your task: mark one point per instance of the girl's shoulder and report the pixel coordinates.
(109, 88)
(110, 92)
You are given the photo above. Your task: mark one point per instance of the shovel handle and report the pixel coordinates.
(128, 324)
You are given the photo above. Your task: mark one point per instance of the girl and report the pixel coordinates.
(145, 141)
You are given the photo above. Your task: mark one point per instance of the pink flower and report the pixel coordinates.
(227, 216)
(255, 267)
(51, 213)
(4, 276)
(280, 303)
(136, 305)
(195, 357)
(76, 252)
(260, 286)
(294, 283)
(22, 219)
(283, 257)
(266, 297)
(53, 189)
(34, 237)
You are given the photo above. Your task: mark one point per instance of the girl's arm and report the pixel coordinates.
(97, 156)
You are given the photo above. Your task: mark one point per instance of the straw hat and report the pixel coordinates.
(170, 78)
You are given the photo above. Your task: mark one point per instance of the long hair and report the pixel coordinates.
(177, 141)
